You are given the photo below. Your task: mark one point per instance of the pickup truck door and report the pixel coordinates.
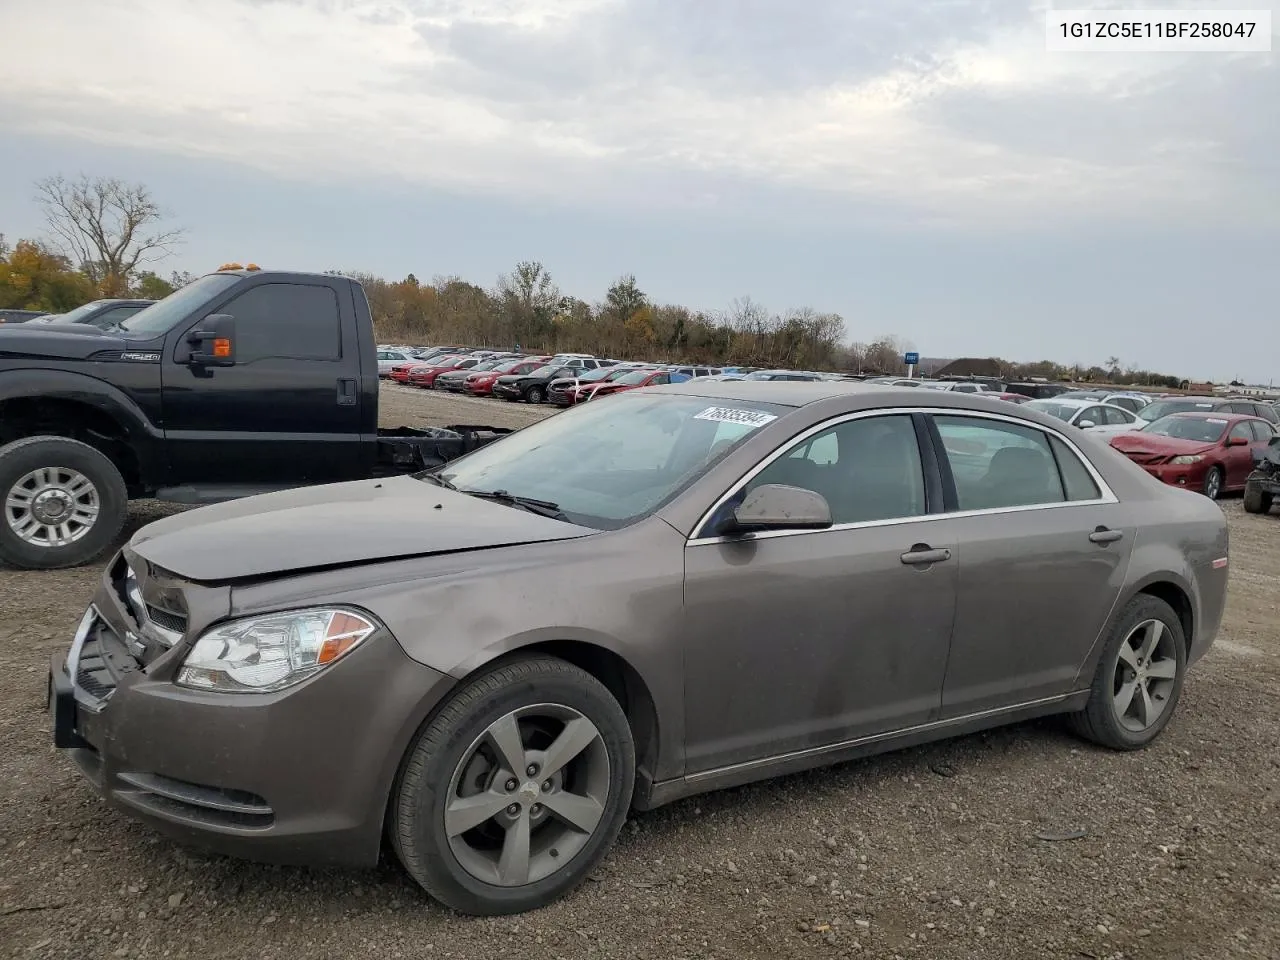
(288, 411)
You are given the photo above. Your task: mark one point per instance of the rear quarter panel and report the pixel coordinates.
(1179, 537)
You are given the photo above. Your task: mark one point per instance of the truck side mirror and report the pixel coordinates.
(214, 341)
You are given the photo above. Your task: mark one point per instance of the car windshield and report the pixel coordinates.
(506, 366)
(164, 314)
(1082, 395)
(1200, 429)
(545, 370)
(591, 376)
(608, 465)
(76, 315)
(486, 365)
(1162, 408)
(1063, 411)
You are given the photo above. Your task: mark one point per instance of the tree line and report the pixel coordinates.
(105, 235)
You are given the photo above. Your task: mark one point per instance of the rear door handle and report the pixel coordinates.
(346, 393)
(922, 554)
(1103, 535)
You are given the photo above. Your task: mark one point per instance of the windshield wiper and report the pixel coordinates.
(438, 480)
(544, 508)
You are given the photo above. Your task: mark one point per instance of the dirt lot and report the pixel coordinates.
(929, 853)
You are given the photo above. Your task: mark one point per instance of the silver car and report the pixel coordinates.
(674, 590)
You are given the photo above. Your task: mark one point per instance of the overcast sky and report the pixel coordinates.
(923, 168)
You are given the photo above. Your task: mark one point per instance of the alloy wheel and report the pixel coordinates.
(52, 506)
(527, 795)
(1145, 673)
(1213, 484)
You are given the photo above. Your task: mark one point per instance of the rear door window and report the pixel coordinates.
(1262, 431)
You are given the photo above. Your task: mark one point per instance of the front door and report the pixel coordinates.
(1042, 557)
(288, 411)
(798, 640)
(1239, 459)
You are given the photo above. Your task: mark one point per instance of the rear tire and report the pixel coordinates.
(1213, 483)
(1135, 690)
(64, 503)
(487, 839)
(1257, 500)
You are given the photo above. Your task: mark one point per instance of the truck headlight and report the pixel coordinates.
(1186, 460)
(274, 651)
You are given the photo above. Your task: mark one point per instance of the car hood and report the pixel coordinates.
(65, 341)
(335, 525)
(1153, 443)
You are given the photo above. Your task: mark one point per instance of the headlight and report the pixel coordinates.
(261, 654)
(1186, 460)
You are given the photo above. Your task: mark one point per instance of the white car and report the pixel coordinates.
(391, 358)
(1130, 401)
(1088, 414)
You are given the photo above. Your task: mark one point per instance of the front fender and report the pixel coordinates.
(144, 437)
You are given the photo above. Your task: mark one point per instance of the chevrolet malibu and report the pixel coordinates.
(689, 587)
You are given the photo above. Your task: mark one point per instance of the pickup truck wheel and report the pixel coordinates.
(64, 503)
(534, 395)
(516, 790)
(1256, 500)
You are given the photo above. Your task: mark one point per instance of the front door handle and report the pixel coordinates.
(922, 554)
(1103, 535)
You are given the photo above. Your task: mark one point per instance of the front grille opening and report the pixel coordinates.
(173, 622)
(212, 806)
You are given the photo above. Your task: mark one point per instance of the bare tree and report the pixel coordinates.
(106, 226)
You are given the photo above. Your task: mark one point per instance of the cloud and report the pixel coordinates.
(947, 110)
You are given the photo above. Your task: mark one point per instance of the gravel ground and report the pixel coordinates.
(935, 852)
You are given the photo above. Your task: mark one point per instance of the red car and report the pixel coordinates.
(1205, 452)
(425, 377)
(636, 379)
(481, 384)
(400, 372)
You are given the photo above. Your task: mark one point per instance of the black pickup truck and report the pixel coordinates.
(242, 382)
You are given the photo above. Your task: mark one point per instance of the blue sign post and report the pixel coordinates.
(911, 359)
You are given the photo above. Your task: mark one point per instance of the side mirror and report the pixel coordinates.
(775, 506)
(214, 341)
(1237, 442)
(1085, 424)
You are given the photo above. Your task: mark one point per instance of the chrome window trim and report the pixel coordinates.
(1107, 494)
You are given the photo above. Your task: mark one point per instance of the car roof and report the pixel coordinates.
(1213, 415)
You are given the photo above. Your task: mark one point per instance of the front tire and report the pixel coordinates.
(64, 503)
(1139, 677)
(1257, 500)
(534, 395)
(1213, 483)
(517, 789)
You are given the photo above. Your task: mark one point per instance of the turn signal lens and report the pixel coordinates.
(268, 653)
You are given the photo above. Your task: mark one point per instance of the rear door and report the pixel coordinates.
(288, 411)
(1042, 548)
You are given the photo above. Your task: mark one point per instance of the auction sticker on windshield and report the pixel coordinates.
(748, 418)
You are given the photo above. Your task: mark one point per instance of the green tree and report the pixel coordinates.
(33, 277)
